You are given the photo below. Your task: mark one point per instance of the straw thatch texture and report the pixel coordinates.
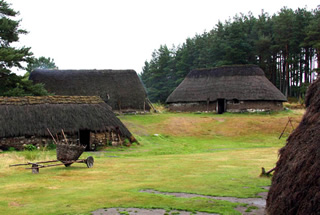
(69, 152)
(31, 116)
(295, 185)
(124, 87)
(241, 82)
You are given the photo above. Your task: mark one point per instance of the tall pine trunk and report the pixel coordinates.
(306, 71)
(287, 71)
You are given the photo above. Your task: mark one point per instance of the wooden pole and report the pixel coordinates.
(35, 169)
(64, 136)
(119, 104)
(52, 136)
(12, 165)
(151, 105)
(264, 173)
(120, 141)
(284, 128)
(291, 124)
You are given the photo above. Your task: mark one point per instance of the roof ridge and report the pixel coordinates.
(33, 100)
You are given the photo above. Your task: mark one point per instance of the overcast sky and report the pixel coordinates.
(122, 34)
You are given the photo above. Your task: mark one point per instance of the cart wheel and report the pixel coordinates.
(89, 161)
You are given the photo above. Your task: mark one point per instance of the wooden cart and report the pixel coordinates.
(67, 154)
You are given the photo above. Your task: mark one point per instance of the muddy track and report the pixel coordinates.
(256, 205)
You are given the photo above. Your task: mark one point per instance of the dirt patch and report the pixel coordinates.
(219, 119)
(186, 126)
(137, 129)
(140, 211)
(254, 205)
(15, 204)
(53, 188)
(227, 127)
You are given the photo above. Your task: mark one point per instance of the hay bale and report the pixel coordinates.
(295, 185)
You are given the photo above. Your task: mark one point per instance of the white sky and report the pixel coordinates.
(122, 34)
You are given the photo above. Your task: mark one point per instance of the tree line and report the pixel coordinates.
(285, 45)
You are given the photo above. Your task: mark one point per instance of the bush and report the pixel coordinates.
(30, 147)
(51, 146)
(11, 149)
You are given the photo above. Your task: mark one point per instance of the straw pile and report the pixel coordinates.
(295, 185)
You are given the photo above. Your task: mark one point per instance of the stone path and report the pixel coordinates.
(256, 205)
(140, 211)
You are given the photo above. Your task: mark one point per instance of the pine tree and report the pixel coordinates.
(10, 57)
(39, 63)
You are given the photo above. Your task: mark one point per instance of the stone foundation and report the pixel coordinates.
(19, 142)
(96, 140)
(232, 106)
(192, 107)
(254, 106)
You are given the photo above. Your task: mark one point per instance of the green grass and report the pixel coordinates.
(250, 208)
(209, 154)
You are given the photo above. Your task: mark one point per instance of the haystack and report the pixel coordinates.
(228, 88)
(295, 185)
(121, 89)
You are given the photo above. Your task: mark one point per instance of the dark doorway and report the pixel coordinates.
(84, 136)
(221, 106)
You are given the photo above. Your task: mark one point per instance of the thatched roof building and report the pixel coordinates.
(295, 188)
(233, 88)
(31, 116)
(121, 89)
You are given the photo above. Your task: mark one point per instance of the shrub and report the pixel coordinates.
(51, 146)
(11, 149)
(30, 147)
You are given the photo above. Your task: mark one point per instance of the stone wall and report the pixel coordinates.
(96, 139)
(192, 107)
(253, 106)
(19, 142)
(232, 106)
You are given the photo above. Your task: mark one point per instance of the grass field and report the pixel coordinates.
(218, 155)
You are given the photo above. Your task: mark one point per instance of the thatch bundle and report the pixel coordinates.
(121, 89)
(31, 116)
(241, 82)
(295, 185)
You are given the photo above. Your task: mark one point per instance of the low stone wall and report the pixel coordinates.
(254, 106)
(232, 106)
(192, 107)
(96, 139)
(19, 142)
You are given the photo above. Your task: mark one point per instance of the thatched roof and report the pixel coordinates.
(295, 185)
(31, 116)
(123, 86)
(242, 82)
